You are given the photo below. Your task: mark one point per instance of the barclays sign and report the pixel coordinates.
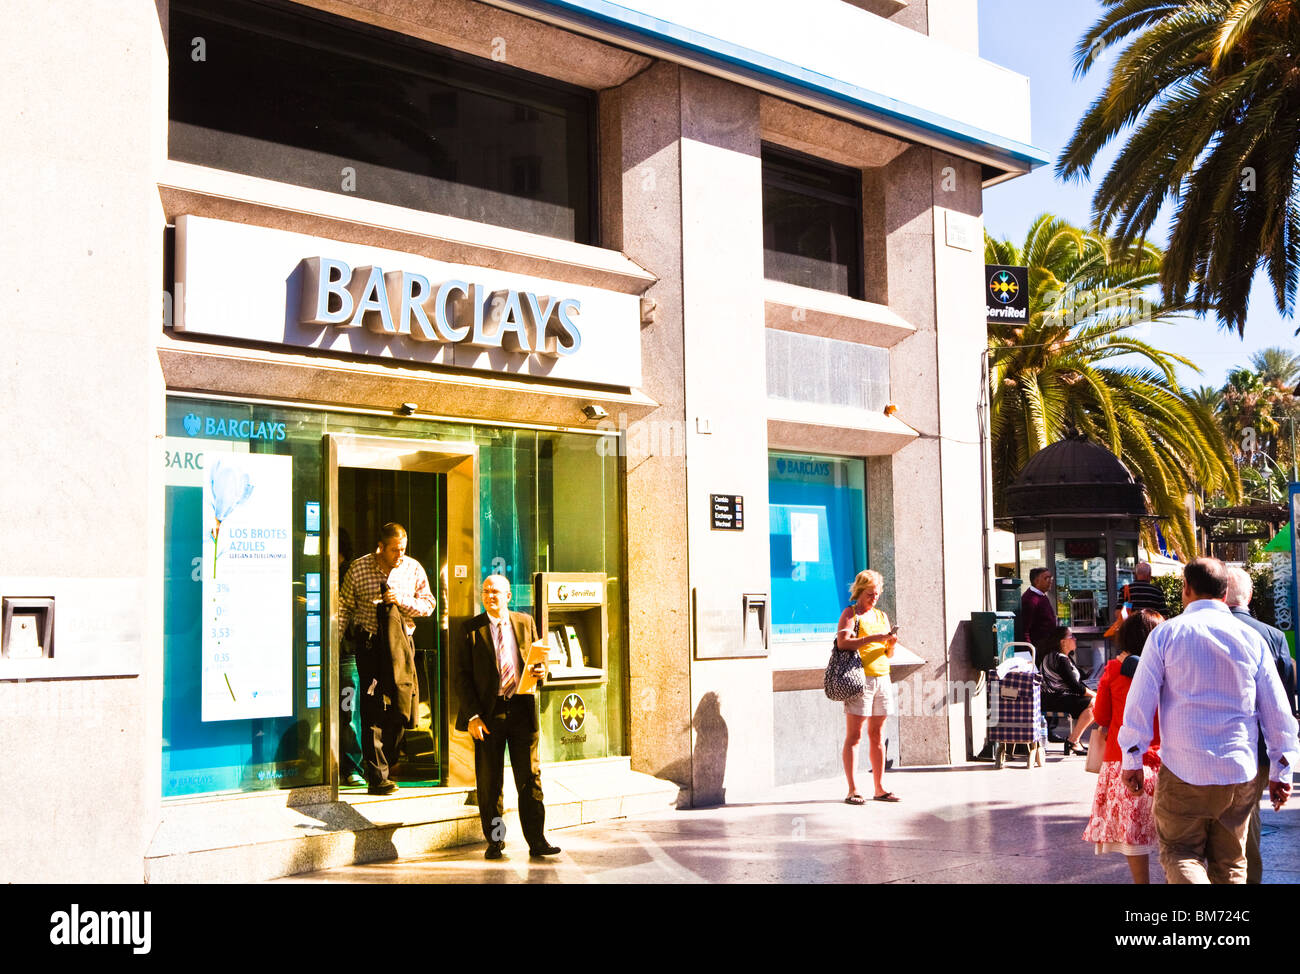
(405, 303)
(274, 287)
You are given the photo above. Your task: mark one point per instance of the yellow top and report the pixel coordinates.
(873, 622)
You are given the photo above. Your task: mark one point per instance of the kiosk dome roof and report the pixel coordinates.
(1075, 476)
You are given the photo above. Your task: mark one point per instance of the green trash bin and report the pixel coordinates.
(991, 635)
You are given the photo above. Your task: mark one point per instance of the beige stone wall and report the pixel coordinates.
(959, 316)
(726, 394)
(82, 102)
(932, 202)
(908, 13)
(906, 193)
(641, 165)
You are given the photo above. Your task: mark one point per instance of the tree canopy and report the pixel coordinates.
(1211, 93)
(1060, 372)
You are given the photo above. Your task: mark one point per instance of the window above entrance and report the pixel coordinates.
(322, 102)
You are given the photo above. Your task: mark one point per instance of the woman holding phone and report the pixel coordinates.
(865, 628)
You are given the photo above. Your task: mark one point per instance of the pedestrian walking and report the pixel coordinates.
(1215, 685)
(1122, 821)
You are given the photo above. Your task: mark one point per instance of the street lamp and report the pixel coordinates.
(1268, 482)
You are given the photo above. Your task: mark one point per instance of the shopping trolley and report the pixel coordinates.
(1016, 715)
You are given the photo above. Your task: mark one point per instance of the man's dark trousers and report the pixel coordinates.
(349, 715)
(510, 724)
(382, 724)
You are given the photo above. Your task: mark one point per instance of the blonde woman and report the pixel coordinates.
(865, 628)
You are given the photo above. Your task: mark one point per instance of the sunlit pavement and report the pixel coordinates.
(969, 824)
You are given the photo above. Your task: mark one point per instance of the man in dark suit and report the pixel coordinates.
(1240, 590)
(489, 667)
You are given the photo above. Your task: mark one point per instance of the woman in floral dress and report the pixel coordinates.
(1123, 822)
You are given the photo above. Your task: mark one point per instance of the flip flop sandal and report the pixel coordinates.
(855, 800)
(888, 796)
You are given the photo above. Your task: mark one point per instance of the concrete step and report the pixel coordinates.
(251, 838)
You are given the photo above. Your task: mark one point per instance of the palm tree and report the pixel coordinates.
(1056, 372)
(1277, 366)
(1247, 413)
(1207, 397)
(1211, 89)
(1279, 373)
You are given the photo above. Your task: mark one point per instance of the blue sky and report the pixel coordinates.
(1037, 38)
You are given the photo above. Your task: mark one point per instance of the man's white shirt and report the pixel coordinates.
(1216, 685)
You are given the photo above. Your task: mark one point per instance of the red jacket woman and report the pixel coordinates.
(1123, 822)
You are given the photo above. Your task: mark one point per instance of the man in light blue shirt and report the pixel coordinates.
(1216, 687)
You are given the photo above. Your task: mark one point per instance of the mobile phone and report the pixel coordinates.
(894, 631)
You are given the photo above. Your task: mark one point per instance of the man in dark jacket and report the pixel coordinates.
(1240, 591)
(489, 669)
(1037, 622)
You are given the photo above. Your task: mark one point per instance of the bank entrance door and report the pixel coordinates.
(431, 489)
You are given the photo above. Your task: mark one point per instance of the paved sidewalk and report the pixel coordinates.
(968, 824)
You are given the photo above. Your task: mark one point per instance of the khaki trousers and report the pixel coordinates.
(1202, 822)
(1254, 862)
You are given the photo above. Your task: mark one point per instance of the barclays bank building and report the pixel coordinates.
(671, 313)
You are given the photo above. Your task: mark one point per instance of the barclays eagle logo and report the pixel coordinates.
(192, 423)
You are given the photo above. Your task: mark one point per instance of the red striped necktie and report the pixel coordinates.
(506, 664)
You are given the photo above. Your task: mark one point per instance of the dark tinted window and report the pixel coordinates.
(812, 223)
(304, 98)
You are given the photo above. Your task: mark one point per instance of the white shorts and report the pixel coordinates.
(876, 700)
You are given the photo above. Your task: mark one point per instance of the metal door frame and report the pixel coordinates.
(459, 461)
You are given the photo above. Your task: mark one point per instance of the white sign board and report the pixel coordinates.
(247, 572)
(805, 531)
(262, 285)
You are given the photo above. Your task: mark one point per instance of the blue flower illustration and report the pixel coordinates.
(229, 487)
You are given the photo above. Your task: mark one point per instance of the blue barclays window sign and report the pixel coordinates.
(220, 427)
(789, 468)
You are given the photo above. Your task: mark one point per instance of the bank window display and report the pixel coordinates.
(242, 597)
(818, 540)
(812, 222)
(248, 587)
(295, 95)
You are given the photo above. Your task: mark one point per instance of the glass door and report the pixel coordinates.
(430, 489)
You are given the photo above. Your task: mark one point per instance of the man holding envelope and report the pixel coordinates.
(500, 662)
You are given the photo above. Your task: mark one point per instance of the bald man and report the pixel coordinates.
(1142, 594)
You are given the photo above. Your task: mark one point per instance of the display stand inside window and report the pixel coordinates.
(574, 622)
